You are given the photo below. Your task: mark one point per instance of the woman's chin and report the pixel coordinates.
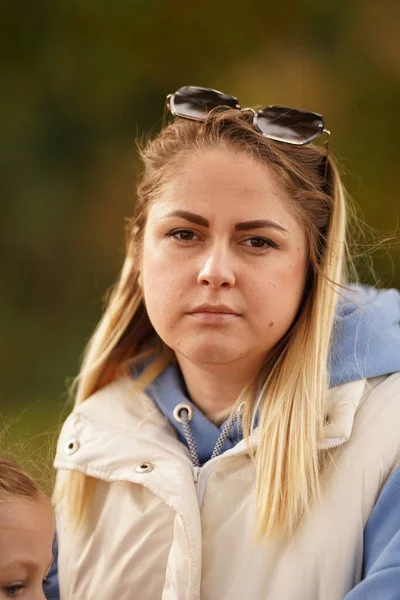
(209, 354)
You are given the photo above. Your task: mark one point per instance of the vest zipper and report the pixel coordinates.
(201, 474)
(196, 473)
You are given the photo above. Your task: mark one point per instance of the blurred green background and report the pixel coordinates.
(80, 80)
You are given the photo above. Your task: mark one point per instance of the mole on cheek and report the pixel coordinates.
(271, 323)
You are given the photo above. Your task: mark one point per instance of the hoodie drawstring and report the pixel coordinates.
(183, 413)
(187, 432)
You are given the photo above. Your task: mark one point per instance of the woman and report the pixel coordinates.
(226, 442)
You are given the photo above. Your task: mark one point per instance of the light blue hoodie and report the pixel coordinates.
(366, 339)
(365, 343)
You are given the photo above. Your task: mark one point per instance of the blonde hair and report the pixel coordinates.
(14, 482)
(289, 395)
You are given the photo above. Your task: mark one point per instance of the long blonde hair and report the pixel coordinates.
(290, 393)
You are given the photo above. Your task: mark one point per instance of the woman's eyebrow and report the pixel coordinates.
(259, 224)
(192, 217)
(244, 226)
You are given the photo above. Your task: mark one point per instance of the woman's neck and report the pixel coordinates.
(215, 388)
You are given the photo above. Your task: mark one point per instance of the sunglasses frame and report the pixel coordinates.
(169, 107)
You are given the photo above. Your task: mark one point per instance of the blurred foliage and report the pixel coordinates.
(82, 79)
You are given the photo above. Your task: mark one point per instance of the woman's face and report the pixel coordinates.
(224, 261)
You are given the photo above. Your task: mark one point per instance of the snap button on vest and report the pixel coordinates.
(71, 446)
(144, 467)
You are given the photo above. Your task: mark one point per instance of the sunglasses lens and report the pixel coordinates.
(195, 102)
(289, 125)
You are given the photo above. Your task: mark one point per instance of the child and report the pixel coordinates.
(26, 534)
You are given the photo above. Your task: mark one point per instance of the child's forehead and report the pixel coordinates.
(25, 514)
(26, 533)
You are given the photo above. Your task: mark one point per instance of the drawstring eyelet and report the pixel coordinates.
(183, 413)
(181, 408)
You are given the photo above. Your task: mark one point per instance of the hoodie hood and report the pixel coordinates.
(366, 335)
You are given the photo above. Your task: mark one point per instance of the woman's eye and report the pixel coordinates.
(182, 235)
(259, 243)
(13, 591)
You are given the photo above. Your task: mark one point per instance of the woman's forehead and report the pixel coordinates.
(212, 168)
(220, 181)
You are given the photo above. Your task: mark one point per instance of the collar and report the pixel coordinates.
(119, 426)
(167, 391)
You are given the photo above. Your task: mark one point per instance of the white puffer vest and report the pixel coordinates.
(156, 533)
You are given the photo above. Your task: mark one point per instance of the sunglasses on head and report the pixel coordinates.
(279, 123)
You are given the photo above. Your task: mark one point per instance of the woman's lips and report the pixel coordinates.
(214, 318)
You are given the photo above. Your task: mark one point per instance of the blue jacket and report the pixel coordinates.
(366, 343)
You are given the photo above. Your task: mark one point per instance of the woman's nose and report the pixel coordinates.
(217, 271)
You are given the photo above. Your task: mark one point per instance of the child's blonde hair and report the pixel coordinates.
(15, 482)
